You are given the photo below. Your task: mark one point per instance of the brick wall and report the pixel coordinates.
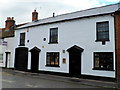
(9, 23)
(34, 15)
(117, 38)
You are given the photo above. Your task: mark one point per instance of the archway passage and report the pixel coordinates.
(75, 60)
(35, 59)
(21, 58)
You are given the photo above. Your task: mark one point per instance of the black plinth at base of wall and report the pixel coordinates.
(118, 82)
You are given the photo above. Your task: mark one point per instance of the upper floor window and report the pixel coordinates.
(103, 60)
(52, 59)
(22, 39)
(102, 31)
(53, 35)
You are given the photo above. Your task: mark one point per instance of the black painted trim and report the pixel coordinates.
(7, 68)
(102, 69)
(102, 40)
(83, 76)
(7, 37)
(98, 78)
(52, 66)
(53, 43)
(22, 45)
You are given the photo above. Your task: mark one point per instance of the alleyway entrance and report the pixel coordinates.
(21, 58)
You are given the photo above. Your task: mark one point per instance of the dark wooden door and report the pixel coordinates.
(21, 58)
(75, 64)
(34, 61)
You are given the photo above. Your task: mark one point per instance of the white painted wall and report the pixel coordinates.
(1, 52)
(80, 32)
(8, 48)
(11, 49)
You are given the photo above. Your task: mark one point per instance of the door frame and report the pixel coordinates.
(37, 51)
(75, 51)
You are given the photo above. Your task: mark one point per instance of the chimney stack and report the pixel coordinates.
(34, 16)
(9, 22)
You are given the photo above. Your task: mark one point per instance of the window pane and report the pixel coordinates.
(53, 35)
(48, 59)
(97, 62)
(56, 59)
(53, 59)
(1, 56)
(22, 39)
(103, 60)
(103, 31)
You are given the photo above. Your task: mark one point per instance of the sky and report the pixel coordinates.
(22, 10)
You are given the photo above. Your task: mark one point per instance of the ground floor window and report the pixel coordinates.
(103, 60)
(1, 57)
(52, 59)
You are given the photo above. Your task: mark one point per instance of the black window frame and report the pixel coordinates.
(48, 63)
(104, 63)
(103, 31)
(22, 39)
(51, 36)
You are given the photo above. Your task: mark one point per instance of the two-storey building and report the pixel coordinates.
(83, 43)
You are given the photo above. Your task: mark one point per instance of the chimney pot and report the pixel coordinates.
(34, 15)
(53, 14)
(12, 18)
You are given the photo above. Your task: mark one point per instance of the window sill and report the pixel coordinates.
(21, 45)
(102, 40)
(52, 66)
(102, 69)
(53, 43)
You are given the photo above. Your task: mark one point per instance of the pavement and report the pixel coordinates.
(54, 79)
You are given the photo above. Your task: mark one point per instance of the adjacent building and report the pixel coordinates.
(7, 43)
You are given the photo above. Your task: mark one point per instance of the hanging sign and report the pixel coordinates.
(4, 43)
